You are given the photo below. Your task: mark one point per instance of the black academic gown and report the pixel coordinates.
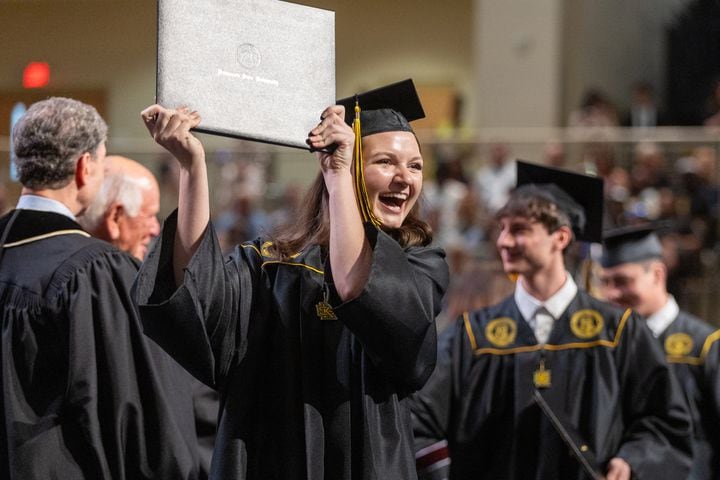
(693, 350)
(84, 391)
(608, 380)
(303, 396)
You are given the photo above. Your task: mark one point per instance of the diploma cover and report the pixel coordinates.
(261, 70)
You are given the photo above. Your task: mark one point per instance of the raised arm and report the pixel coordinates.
(171, 130)
(350, 252)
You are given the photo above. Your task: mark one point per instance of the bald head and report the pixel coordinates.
(123, 166)
(124, 212)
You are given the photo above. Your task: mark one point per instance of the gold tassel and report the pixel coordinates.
(361, 194)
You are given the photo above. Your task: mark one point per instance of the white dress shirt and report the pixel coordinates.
(542, 315)
(34, 202)
(662, 319)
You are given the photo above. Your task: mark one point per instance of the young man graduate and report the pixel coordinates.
(550, 383)
(634, 276)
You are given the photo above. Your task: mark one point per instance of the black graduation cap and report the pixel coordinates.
(579, 196)
(630, 244)
(385, 109)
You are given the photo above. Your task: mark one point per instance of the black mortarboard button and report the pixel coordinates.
(631, 244)
(579, 196)
(386, 109)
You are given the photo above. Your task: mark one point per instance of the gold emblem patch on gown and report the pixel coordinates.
(542, 377)
(325, 311)
(678, 344)
(586, 323)
(501, 332)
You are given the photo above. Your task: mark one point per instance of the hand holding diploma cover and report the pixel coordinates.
(261, 70)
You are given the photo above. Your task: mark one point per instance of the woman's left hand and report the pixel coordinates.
(333, 131)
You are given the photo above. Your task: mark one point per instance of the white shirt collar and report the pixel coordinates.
(662, 319)
(43, 204)
(555, 305)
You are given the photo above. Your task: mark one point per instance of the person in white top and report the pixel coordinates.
(635, 276)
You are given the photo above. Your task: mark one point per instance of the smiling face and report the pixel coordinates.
(640, 286)
(393, 175)
(136, 233)
(527, 248)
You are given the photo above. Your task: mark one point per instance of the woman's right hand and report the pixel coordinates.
(171, 130)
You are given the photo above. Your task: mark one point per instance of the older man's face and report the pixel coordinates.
(137, 232)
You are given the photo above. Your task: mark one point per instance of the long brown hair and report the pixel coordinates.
(312, 225)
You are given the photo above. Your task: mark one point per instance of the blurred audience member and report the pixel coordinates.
(595, 111)
(495, 180)
(442, 201)
(245, 219)
(647, 177)
(644, 111)
(554, 154)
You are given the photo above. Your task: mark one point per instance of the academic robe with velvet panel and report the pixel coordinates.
(85, 394)
(692, 348)
(608, 380)
(306, 392)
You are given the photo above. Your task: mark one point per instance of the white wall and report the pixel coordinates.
(517, 58)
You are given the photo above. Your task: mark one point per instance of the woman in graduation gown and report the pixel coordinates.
(315, 337)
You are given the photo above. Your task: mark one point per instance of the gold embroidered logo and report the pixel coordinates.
(501, 332)
(678, 344)
(325, 311)
(586, 323)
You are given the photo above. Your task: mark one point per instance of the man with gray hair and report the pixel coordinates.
(124, 212)
(84, 393)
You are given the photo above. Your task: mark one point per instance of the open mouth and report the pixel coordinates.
(393, 201)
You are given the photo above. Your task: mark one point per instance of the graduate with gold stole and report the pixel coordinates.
(550, 383)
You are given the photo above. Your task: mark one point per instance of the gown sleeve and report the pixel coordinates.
(199, 323)
(112, 373)
(658, 427)
(431, 409)
(394, 315)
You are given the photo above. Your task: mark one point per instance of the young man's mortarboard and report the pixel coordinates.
(631, 244)
(579, 196)
(386, 109)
